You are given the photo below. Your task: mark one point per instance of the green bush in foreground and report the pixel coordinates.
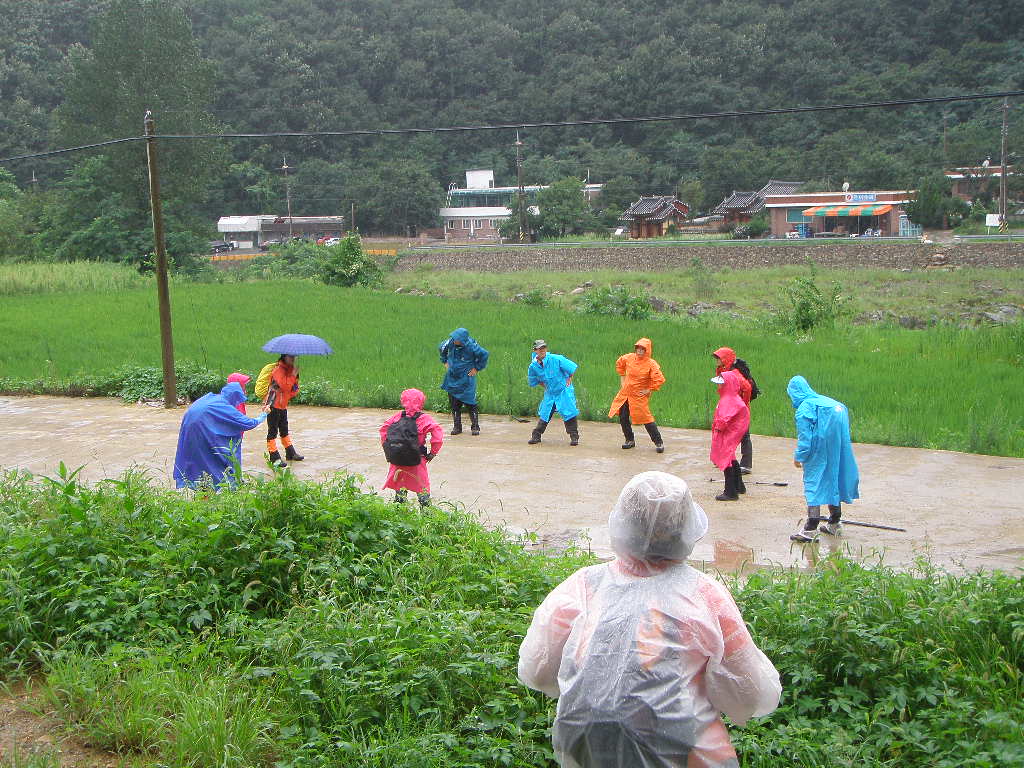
(296, 624)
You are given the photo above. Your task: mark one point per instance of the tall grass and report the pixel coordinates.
(941, 387)
(64, 277)
(295, 624)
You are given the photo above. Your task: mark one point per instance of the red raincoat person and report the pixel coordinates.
(726, 361)
(732, 418)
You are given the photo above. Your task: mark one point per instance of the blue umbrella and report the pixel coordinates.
(298, 344)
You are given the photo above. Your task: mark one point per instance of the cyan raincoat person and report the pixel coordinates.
(210, 438)
(554, 373)
(463, 358)
(646, 652)
(824, 450)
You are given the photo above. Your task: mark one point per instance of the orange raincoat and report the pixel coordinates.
(640, 373)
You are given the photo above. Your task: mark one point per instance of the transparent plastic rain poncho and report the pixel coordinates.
(644, 653)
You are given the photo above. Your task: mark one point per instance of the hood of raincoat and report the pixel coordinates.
(655, 519)
(732, 381)
(241, 378)
(646, 344)
(460, 335)
(727, 358)
(233, 393)
(799, 390)
(412, 401)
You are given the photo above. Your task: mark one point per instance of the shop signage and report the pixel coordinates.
(860, 197)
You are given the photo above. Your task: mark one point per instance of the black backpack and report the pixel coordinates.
(402, 442)
(741, 366)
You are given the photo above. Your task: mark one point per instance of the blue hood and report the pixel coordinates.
(799, 390)
(233, 393)
(460, 335)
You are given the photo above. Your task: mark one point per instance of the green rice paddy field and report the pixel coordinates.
(943, 387)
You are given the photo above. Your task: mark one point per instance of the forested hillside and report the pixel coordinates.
(311, 65)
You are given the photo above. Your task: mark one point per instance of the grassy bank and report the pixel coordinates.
(295, 624)
(941, 387)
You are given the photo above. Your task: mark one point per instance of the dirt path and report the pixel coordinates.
(964, 510)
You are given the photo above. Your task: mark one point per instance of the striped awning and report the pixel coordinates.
(870, 209)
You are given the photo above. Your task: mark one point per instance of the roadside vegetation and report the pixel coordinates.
(931, 388)
(301, 624)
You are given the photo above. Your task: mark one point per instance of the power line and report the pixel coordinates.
(556, 124)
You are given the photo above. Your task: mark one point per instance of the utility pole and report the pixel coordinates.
(352, 222)
(163, 294)
(522, 195)
(1002, 174)
(287, 193)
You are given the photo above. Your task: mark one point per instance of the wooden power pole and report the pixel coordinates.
(162, 291)
(1002, 174)
(522, 196)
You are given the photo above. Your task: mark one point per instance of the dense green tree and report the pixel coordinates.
(934, 203)
(564, 209)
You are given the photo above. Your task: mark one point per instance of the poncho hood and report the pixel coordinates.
(727, 358)
(233, 393)
(732, 381)
(241, 378)
(646, 344)
(460, 335)
(412, 401)
(655, 519)
(799, 390)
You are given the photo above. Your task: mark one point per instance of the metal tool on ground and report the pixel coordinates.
(755, 482)
(844, 521)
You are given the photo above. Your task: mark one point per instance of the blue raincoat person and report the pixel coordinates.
(554, 373)
(824, 451)
(210, 438)
(463, 358)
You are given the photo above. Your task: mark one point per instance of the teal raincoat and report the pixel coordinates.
(461, 359)
(823, 446)
(558, 396)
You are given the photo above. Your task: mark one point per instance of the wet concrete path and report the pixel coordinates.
(964, 510)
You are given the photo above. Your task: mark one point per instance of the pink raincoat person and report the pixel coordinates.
(414, 478)
(646, 652)
(732, 418)
(243, 382)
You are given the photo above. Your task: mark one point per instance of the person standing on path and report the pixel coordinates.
(210, 440)
(463, 358)
(825, 453)
(644, 653)
(639, 375)
(554, 374)
(726, 360)
(403, 477)
(284, 385)
(732, 420)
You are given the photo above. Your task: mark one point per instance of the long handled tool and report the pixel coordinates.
(844, 521)
(756, 482)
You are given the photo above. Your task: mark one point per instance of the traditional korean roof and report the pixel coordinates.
(737, 201)
(654, 208)
(777, 187)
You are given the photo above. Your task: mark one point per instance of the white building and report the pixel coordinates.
(477, 210)
(251, 231)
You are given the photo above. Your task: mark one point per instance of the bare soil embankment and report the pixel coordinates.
(655, 258)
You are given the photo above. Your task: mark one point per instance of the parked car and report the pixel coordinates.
(266, 245)
(219, 246)
(332, 241)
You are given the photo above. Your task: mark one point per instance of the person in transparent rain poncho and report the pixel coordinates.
(645, 652)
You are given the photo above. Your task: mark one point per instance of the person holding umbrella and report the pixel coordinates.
(463, 358)
(284, 385)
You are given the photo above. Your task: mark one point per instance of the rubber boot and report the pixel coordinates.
(737, 474)
(275, 460)
(456, 420)
(537, 432)
(655, 435)
(424, 499)
(746, 454)
(474, 420)
(572, 428)
(291, 454)
(729, 494)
